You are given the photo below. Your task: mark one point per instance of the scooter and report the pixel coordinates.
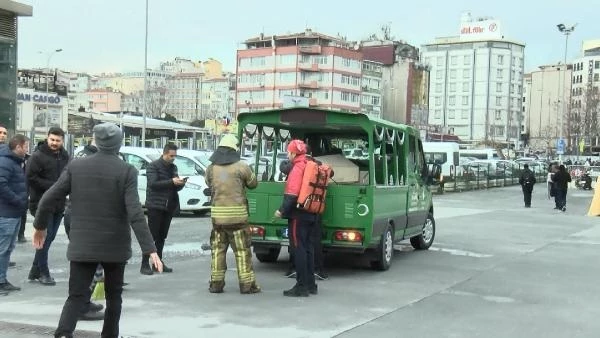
(584, 182)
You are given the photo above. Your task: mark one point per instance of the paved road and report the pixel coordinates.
(496, 270)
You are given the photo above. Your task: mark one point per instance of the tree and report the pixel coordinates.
(156, 102)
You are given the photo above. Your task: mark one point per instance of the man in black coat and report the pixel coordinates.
(162, 199)
(561, 178)
(104, 205)
(527, 181)
(43, 169)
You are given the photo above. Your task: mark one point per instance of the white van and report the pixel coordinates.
(445, 154)
(481, 154)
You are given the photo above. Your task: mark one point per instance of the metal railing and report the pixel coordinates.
(484, 176)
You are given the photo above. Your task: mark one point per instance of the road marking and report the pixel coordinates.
(456, 252)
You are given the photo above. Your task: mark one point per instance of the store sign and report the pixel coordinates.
(477, 30)
(40, 98)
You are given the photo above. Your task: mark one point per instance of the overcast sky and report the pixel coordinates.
(108, 35)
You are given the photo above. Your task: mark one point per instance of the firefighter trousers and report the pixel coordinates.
(240, 241)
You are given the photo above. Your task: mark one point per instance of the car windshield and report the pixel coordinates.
(203, 160)
(153, 157)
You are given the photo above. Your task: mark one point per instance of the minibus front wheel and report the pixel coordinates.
(424, 240)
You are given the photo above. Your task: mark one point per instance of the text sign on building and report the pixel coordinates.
(41, 98)
(478, 30)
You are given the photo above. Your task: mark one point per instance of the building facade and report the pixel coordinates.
(104, 100)
(404, 81)
(476, 82)
(132, 82)
(372, 74)
(9, 12)
(585, 96)
(38, 110)
(543, 115)
(326, 70)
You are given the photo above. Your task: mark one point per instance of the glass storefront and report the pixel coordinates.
(8, 82)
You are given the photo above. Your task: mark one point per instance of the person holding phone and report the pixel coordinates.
(162, 200)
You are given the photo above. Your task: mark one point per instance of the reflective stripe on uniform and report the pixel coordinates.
(233, 211)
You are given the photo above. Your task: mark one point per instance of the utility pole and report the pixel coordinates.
(145, 81)
(566, 31)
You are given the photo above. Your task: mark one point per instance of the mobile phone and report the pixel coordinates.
(185, 179)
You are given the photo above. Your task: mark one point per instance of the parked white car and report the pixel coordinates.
(191, 197)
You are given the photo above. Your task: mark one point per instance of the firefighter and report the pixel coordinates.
(228, 178)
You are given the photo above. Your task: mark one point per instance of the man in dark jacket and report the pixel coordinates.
(527, 180)
(92, 311)
(162, 199)
(561, 178)
(13, 201)
(104, 205)
(301, 224)
(43, 169)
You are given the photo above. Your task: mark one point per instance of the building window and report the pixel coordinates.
(454, 60)
(465, 100)
(438, 74)
(498, 87)
(438, 87)
(452, 87)
(345, 96)
(466, 73)
(437, 114)
(597, 65)
(512, 88)
(375, 100)
(452, 100)
(498, 115)
(464, 114)
(498, 101)
(451, 113)
(500, 59)
(499, 73)
(465, 86)
(354, 97)
(438, 100)
(596, 77)
(439, 60)
(453, 74)
(467, 60)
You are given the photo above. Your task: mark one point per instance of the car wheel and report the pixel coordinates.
(424, 240)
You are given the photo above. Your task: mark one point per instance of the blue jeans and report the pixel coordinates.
(9, 229)
(41, 256)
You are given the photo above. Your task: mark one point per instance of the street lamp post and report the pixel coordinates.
(566, 31)
(47, 119)
(145, 81)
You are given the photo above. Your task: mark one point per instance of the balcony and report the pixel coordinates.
(309, 84)
(312, 102)
(314, 49)
(308, 67)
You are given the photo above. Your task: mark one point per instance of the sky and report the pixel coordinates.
(108, 35)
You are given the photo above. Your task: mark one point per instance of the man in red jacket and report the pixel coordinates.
(301, 224)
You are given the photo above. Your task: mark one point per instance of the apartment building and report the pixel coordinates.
(585, 96)
(543, 115)
(405, 81)
(476, 82)
(190, 97)
(327, 70)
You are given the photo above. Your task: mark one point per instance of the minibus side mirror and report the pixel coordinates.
(434, 174)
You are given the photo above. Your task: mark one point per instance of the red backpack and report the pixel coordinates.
(313, 189)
